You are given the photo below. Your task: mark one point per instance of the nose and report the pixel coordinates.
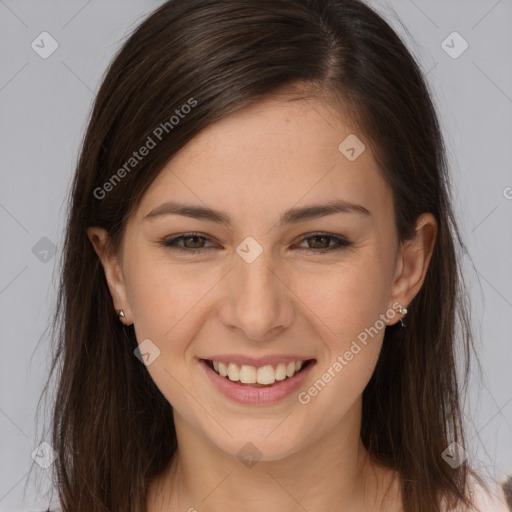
(258, 301)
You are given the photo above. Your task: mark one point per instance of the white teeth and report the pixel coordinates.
(223, 371)
(265, 375)
(281, 371)
(233, 372)
(247, 374)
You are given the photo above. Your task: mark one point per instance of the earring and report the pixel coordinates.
(120, 314)
(402, 311)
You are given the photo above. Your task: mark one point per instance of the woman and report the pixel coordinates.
(260, 284)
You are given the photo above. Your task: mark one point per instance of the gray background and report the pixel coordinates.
(44, 105)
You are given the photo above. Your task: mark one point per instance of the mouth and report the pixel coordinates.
(266, 376)
(258, 385)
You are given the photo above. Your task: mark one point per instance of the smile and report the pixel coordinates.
(257, 385)
(262, 375)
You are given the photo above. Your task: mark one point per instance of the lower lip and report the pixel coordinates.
(253, 395)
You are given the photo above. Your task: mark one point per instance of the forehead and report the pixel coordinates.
(277, 153)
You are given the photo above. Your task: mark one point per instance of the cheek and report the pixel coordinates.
(167, 306)
(164, 297)
(340, 384)
(340, 299)
(351, 306)
(346, 298)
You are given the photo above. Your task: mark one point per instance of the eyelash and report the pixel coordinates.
(342, 243)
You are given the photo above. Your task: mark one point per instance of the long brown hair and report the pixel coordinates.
(112, 428)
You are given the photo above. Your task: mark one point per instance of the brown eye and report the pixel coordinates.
(195, 241)
(317, 242)
(321, 242)
(192, 242)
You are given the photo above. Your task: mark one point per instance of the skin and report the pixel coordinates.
(253, 165)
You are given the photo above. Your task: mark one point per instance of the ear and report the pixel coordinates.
(113, 270)
(412, 261)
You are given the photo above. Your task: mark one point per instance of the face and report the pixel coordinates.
(251, 284)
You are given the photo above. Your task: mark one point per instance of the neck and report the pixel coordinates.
(334, 469)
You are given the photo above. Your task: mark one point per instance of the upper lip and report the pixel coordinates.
(256, 361)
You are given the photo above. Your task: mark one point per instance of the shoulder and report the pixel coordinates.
(492, 499)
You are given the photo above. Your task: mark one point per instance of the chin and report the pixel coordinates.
(259, 443)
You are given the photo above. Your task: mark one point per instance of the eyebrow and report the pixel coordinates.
(291, 216)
